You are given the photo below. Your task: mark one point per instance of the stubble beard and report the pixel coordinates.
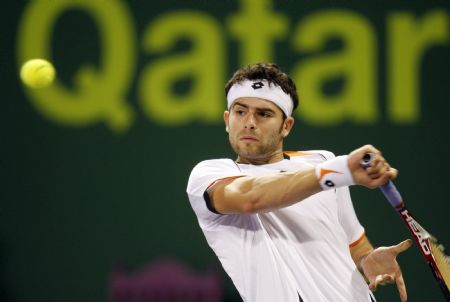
(256, 150)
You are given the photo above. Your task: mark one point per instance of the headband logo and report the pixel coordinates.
(257, 85)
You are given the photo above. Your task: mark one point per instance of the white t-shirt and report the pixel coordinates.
(301, 250)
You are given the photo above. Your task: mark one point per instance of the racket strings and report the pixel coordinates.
(442, 261)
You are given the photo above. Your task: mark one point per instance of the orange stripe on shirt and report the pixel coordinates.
(295, 153)
(358, 240)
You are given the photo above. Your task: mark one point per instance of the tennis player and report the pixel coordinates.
(282, 223)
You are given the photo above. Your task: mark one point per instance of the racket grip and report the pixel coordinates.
(391, 193)
(389, 190)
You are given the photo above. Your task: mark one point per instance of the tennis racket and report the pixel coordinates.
(431, 250)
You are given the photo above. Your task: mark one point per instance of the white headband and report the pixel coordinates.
(261, 89)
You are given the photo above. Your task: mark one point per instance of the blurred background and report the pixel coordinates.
(94, 168)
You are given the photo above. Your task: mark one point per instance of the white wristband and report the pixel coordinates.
(334, 173)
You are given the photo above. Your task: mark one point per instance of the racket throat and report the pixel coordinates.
(420, 235)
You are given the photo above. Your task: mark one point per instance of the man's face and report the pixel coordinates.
(256, 130)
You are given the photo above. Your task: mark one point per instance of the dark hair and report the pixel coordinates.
(265, 71)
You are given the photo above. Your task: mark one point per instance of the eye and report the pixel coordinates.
(265, 114)
(239, 111)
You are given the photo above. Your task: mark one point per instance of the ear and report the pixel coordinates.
(226, 117)
(287, 126)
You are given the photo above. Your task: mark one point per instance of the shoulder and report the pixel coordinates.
(202, 176)
(324, 154)
(208, 171)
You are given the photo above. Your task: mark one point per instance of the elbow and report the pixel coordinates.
(251, 205)
(245, 199)
(248, 208)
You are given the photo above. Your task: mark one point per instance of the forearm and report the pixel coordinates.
(268, 192)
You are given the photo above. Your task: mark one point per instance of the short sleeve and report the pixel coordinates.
(347, 216)
(202, 176)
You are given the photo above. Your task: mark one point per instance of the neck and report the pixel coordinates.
(262, 160)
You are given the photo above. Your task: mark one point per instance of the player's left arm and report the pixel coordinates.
(379, 266)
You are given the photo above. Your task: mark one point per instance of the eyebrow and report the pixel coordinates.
(264, 109)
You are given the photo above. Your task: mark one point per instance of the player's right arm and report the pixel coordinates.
(256, 194)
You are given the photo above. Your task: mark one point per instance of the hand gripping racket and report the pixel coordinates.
(431, 250)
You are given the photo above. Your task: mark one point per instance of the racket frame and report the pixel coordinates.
(421, 236)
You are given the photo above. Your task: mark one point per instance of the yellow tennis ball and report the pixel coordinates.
(37, 73)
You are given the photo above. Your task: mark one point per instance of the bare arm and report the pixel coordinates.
(250, 194)
(263, 193)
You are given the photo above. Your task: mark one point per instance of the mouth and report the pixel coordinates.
(248, 138)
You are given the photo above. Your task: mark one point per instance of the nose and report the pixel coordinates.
(250, 122)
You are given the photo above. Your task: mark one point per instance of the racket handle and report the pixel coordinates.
(389, 190)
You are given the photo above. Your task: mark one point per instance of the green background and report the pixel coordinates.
(78, 200)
